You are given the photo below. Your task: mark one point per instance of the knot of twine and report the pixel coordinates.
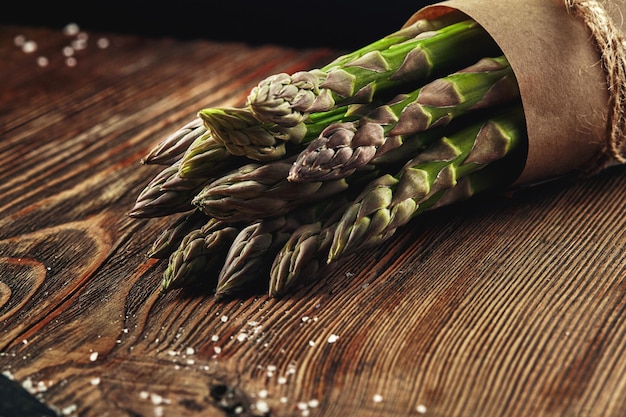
(612, 47)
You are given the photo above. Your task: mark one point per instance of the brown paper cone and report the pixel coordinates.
(557, 65)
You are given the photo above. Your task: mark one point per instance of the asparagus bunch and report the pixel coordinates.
(319, 164)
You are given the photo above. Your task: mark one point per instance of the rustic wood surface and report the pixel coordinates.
(506, 305)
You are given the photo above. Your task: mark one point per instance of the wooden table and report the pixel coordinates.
(506, 305)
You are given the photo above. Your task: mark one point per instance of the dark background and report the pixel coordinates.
(338, 24)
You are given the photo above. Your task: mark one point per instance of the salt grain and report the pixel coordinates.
(70, 61)
(333, 338)
(263, 393)
(224, 319)
(93, 357)
(29, 47)
(421, 409)
(68, 51)
(19, 40)
(190, 351)
(378, 398)
(262, 406)
(71, 29)
(42, 61)
(215, 338)
(313, 403)
(217, 349)
(144, 395)
(103, 43)
(95, 381)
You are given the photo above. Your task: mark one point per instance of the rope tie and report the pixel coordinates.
(612, 47)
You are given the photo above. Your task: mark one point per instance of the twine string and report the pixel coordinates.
(612, 47)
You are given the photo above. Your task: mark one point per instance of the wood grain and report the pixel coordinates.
(504, 305)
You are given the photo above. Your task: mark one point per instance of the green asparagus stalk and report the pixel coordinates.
(166, 194)
(204, 158)
(171, 237)
(256, 244)
(303, 254)
(421, 27)
(344, 147)
(287, 99)
(256, 191)
(391, 201)
(170, 149)
(307, 249)
(199, 256)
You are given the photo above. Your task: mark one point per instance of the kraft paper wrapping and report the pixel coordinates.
(557, 65)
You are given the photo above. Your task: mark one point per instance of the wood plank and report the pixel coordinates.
(504, 305)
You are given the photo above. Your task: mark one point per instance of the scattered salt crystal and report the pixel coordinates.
(190, 351)
(79, 44)
(282, 380)
(242, 337)
(311, 343)
(144, 395)
(263, 393)
(333, 338)
(217, 349)
(421, 409)
(8, 374)
(68, 51)
(224, 319)
(313, 403)
(378, 398)
(42, 61)
(305, 319)
(284, 400)
(19, 40)
(93, 357)
(262, 406)
(25, 341)
(158, 411)
(215, 338)
(156, 399)
(172, 353)
(29, 47)
(27, 384)
(69, 410)
(41, 386)
(70, 61)
(95, 381)
(71, 29)
(239, 410)
(190, 362)
(271, 368)
(302, 405)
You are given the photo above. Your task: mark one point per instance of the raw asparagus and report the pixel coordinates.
(344, 147)
(199, 256)
(287, 99)
(170, 149)
(391, 201)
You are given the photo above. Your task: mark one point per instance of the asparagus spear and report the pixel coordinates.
(256, 191)
(421, 27)
(171, 237)
(307, 249)
(344, 147)
(199, 256)
(247, 259)
(204, 157)
(391, 201)
(173, 146)
(286, 99)
(166, 194)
